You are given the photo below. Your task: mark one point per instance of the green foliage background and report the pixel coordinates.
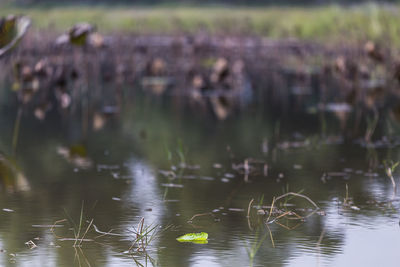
(196, 2)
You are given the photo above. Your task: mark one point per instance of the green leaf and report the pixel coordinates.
(194, 237)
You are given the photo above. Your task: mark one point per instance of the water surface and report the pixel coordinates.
(166, 164)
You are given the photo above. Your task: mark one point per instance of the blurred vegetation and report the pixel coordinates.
(319, 23)
(207, 2)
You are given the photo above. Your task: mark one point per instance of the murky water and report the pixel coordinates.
(167, 164)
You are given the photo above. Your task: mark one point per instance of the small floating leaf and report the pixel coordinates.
(194, 237)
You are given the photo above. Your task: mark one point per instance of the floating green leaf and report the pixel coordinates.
(194, 237)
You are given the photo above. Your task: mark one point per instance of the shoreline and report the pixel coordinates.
(323, 24)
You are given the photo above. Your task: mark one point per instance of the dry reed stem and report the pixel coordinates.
(282, 225)
(282, 215)
(198, 215)
(84, 257)
(139, 234)
(270, 210)
(87, 229)
(290, 215)
(104, 233)
(288, 227)
(248, 214)
(298, 195)
(270, 235)
(76, 238)
(139, 237)
(248, 208)
(54, 225)
(318, 246)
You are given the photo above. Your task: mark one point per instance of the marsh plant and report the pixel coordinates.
(143, 236)
(177, 156)
(79, 229)
(255, 245)
(390, 167)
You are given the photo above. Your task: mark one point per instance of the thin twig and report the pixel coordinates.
(84, 257)
(298, 195)
(105, 233)
(77, 257)
(75, 239)
(270, 235)
(140, 232)
(270, 211)
(346, 199)
(248, 209)
(198, 215)
(321, 237)
(318, 246)
(54, 225)
(87, 229)
(248, 214)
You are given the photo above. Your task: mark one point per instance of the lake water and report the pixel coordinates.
(166, 163)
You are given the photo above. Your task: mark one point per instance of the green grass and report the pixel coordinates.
(326, 24)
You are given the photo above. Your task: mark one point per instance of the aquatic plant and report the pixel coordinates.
(12, 29)
(255, 246)
(258, 239)
(371, 125)
(79, 235)
(178, 155)
(390, 167)
(348, 201)
(143, 236)
(11, 176)
(81, 34)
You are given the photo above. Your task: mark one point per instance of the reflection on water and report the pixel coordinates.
(145, 195)
(166, 166)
